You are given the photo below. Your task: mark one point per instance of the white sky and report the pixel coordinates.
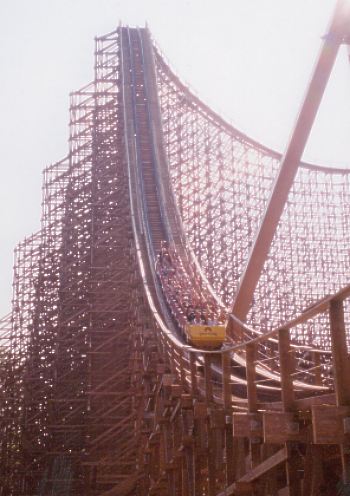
(248, 59)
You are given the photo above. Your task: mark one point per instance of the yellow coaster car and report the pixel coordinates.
(206, 336)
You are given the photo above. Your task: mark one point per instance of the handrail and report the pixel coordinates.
(319, 307)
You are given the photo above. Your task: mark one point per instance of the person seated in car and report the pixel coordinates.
(190, 315)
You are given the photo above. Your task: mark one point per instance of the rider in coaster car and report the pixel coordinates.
(164, 254)
(204, 317)
(190, 314)
(197, 319)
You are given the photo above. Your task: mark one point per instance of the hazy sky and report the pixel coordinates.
(248, 59)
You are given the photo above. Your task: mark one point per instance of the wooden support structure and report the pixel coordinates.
(341, 368)
(102, 392)
(337, 34)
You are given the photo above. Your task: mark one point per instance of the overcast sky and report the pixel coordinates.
(248, 59)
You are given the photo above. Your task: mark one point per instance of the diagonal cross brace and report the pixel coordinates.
(338, 32)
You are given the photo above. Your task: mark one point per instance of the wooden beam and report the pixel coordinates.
(339, 353)
(339, 28)
(255, 473)
(208, 378)
(341, 369)
(228, 431)
(251, 353)
(286, 370)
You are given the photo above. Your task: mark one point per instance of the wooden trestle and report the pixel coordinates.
(258, 417)
(101, 394)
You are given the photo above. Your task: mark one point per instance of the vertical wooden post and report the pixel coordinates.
(313, 470)
(193, 373)
(210, 430)
(182, 367)
(198, 458)
(287, 393)
(287, 369)
(339, 353)
(292, 466)
(254, 444)
(212, 465)
(316, 360)
(226, 376)
(207, 377)
(184, 477)
(227, 399)
(251, 376)
(341, 371)
(173, 367)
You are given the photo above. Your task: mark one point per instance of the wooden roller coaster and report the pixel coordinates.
(124, 370)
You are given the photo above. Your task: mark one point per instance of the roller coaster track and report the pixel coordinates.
(100, 393)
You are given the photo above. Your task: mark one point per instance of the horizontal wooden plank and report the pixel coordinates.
(328, 424)
(168, 379)
(247, 425)
(280, 427)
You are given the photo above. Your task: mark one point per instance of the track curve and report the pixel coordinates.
(253, 376)
(101, 394)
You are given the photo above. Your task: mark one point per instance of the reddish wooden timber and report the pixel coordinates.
(208, 378)
(287, 369)
(328, 424)
(251, 354)
(280, 427)
(340, 356)
(238, 488)
(193, 372)
(254, 474)
(254, 442)
(120, 403)
(341, 367)
(247, 425)
(338, 31)
(228, 429)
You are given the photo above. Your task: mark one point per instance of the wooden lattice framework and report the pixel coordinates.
(99, 393)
